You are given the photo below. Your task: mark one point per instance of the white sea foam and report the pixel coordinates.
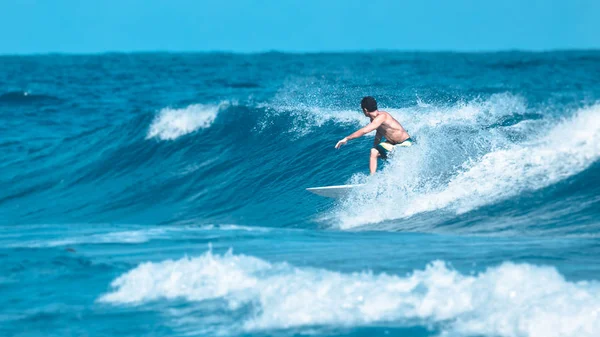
(171, 124)
(406, 187)
(509, 300)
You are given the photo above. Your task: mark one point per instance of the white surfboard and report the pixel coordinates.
(337, 191)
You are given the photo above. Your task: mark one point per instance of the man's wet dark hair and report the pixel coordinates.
(368, 103)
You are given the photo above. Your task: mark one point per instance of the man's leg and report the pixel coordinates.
(373, 160)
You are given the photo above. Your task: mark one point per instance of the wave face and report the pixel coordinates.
(223, 151)
(120, 168)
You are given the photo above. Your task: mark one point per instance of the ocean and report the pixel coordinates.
(164, 194)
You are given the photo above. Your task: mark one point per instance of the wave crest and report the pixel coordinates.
(171, 124)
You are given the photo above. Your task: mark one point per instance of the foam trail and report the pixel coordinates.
(512, 300)
(171, 124)
(565, 149)
(136, 236)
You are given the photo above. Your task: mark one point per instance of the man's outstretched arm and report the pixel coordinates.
(363, 131)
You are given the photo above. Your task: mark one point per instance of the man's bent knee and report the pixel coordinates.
(374, 153)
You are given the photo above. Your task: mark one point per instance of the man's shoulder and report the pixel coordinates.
(389, 118)
(387, 115)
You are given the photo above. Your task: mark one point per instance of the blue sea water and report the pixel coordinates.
(163, 194)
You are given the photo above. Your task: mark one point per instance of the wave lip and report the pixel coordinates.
(510, 300)
(171, 124)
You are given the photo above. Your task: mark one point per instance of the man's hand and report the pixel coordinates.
(341, 142)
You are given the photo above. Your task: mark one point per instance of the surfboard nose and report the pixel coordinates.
(336, 191)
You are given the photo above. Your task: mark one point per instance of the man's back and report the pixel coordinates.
(392, 130)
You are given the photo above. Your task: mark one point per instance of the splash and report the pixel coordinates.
(307, 119)
(477, 112)
(565, 148)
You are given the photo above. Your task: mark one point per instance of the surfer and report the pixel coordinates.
(390, 133)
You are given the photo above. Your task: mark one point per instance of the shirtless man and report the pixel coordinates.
(386, 126)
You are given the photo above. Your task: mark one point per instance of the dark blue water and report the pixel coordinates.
(164, 195)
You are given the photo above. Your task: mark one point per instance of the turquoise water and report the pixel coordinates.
(164, 195)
